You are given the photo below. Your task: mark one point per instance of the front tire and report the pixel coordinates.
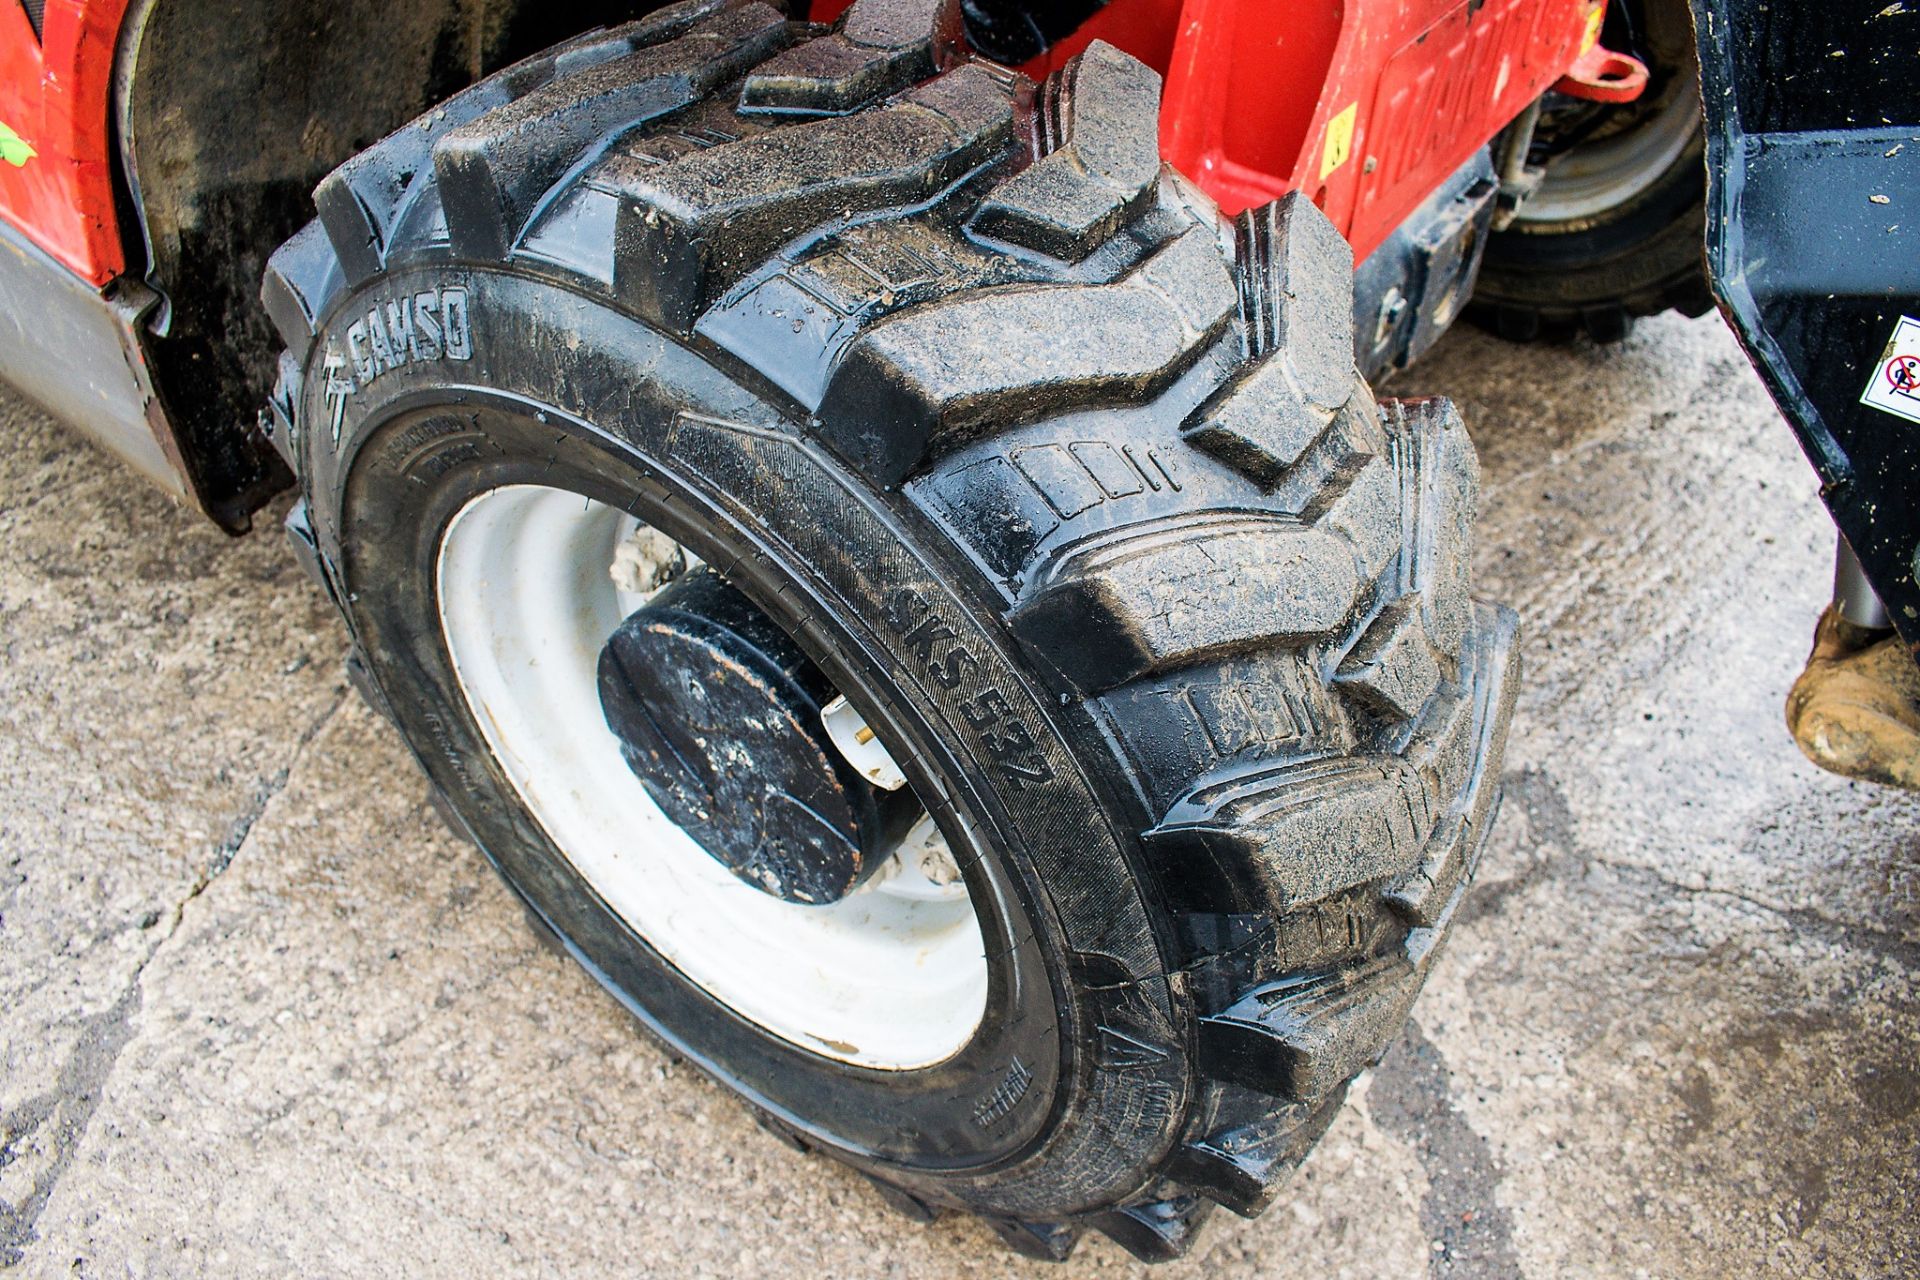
(1166, 625)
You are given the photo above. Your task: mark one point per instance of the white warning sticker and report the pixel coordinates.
(1895, 386)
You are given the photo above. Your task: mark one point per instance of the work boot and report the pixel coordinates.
(1855, 710)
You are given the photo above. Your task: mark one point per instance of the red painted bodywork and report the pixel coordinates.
(1601, 75)
(1253, 89)
(57, 93)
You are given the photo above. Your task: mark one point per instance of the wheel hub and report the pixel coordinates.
(717, 712)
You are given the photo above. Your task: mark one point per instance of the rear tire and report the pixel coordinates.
(1167, 625)
(1617, 228)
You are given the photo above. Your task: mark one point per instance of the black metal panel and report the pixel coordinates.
(1016, 31)
(1414, 286)
(36, 14)
(1813, 242)
(219, 172)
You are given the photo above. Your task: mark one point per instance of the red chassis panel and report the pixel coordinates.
(56, 93)
(1369, 107)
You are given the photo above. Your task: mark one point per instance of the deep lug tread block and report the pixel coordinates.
(1117, 608)
(673, 21)
(1446, 864)
(1103, 108)
(1443, 483)
(1302, 1042)
(1607, 324)
(1462, 730)
(303, 276)
(306, 547)
(1365, 512)
(278, 418)
(1424, 893)
(881, 47)
(1316, 936)
(1260, 424)
(1517, 324)
(1690, 297)
(937, 375)
(1296, 272)
(1242, 1165)
(1041, 1241)
(929, 26)
(361, 203)
(837, 291)
(1157, 1230)
(1443, 743)
(1270, 704)
(1393, 669)
(703, 127)
(493, 170)
(1311, 830)
(689, 227)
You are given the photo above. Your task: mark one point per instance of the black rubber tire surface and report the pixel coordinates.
(1069, 484)
(1644, 253)
(1644, 257)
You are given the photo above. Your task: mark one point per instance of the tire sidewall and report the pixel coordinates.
(1085, 1078)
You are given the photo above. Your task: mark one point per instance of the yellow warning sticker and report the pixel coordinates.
(1595, 17)
(14, 149)
(1339, 140)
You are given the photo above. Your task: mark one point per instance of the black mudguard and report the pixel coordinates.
(1813, 245)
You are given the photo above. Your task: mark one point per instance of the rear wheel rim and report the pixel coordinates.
(893, 977)
(1594, 178)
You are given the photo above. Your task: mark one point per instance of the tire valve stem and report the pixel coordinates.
(859, 746)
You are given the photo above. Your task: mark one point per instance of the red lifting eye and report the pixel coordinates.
(1601, 75)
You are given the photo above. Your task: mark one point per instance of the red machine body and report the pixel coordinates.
(1367, 104)
(56, 94)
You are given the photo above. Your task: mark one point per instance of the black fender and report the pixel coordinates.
(226, 116)
(1813, 246)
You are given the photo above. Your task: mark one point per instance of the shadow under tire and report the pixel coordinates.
(1167, 625)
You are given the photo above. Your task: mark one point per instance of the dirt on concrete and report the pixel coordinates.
(261, 1016)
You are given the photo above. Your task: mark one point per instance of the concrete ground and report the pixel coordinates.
(261, 1015)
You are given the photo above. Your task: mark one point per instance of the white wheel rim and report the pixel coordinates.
(894, 976)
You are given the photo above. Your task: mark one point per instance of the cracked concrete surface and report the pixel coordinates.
(260, 1015)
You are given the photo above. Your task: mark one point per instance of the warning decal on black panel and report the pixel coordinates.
(1895, 385)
